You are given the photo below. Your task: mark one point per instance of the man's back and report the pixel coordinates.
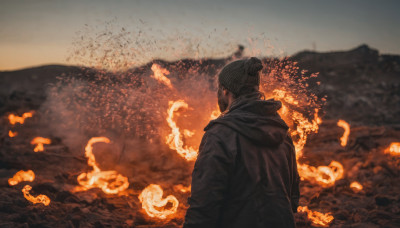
(246, 174)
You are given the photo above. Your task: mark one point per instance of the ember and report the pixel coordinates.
(39, 141)
(154, 205)
(38, 199)
(110, 182)
(183, 189)
(317, 218)
(343, 124)
(174, 140)
(21, 176)
(356, 186)
(19, 119)
(393, 149)
(12, 134)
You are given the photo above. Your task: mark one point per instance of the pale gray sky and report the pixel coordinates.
(42, 31)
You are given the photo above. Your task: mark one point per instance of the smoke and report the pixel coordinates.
(124, 103)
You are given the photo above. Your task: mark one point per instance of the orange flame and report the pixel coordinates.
(39, 141)
(12, 134)
(19, 119)
(154, 205)
(183, 189)
(303, 127)
(317, 218)
(159, 75)
(22, 176)
(174, 140)
(38, 199)
(356, 186)
(323, 175)
(343, 124)
(109, 181)
(393, 149)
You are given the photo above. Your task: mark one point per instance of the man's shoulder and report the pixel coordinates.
(219, 130)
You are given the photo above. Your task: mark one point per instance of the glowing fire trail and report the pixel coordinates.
(317, 218)
(12, 134)
(393, 149)
(110, 182)
(174, 140)
(19, 119)
(159, 75)
(343, 124)
(154, 205)
(38, 199)
(39, 141)
(21, 176)
(325, 176)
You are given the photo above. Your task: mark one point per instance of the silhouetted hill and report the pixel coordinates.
(361, 85)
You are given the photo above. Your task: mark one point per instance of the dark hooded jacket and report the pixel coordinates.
(246, 173)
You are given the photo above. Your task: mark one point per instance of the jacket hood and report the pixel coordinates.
(255, 119)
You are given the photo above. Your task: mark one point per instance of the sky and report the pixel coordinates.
(47, 31)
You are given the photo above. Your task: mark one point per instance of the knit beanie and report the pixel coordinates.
(244, 73)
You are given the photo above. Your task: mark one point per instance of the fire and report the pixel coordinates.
(303, 126)
(159, 75)
(323, 175)
(109, 181)
(356, 186)
(317, 218)
(183, 189)
(343, 124)
(39, 141)
(22, 176)
(19, 119)
(154, 205)
(12, 134)
(393, 149)
(38, 199)
(174, 140)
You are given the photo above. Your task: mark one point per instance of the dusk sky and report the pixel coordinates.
(43, 31)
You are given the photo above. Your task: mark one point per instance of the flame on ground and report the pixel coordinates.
(39, 141)
(12, 134)
(322, 175)
(356, 186)
(317, 218)
(343, 124)
(38, 199)
(174, 140)
(110, 182)
(393, 149)
(159, 75)
(22, 176)
(154, 205)
(19, 119)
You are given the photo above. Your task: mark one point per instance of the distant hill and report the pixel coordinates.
(361, 85)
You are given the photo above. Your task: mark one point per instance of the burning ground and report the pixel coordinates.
(116, 149)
